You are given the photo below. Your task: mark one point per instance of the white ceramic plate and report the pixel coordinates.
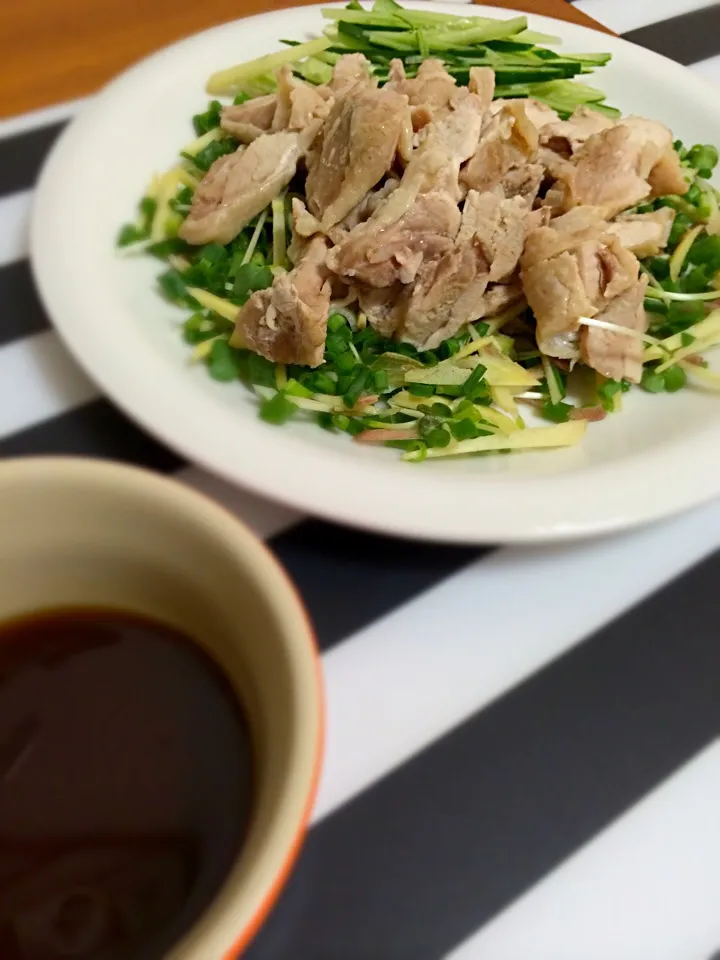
(661, 455)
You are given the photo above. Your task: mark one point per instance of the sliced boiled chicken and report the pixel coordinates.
(645, 234)
(287, 323)
(298, 103)
(450, 292)
(432, 87)
(239, 186)
(378, 254)
(567, 136)
(350, 70)
(615, 169)
(506, 158)
(248, 121)
(357, 147)
(613, 354)
(572, 269)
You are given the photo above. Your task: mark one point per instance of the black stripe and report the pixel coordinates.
(348, 578)
(22, 156)
(689, 38)
(22, 313)
(425, 857)
(95, 430)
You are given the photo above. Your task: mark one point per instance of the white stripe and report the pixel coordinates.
(710, 69)
(41, 118)
(624, 15)
(14, 226)
(646, 888)
(404, 681)
(38, 380)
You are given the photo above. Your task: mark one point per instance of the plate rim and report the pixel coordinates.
(536, 515)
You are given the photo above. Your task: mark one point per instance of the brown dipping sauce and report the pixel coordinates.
(125, 786)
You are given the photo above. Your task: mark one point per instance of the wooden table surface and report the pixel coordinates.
(56, 50)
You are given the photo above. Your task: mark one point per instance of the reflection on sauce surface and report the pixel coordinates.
(125, 786)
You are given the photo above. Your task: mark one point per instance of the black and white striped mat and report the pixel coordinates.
(523, 758)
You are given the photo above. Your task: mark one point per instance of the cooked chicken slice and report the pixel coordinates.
(556, 293)
(368, 205)
(482, 83)
(287, 323)
(523, 181)
(380, 253)
(238, 186)
(304, 223)
(307, 105)
(458, 128)
(286, 85)
(381, 305)
(499, 226)
(667, 176)
(299, 104)
(432, 88)
(539, 114)
(450, 292)
(567, 136)
(613, 168)
(607, 174)
(617, 355)
(248, 121)
(357, 147)
(351, 69)
(508, 144)
(556, 166)
(618, 266)
(572, 269)
(500, 296)
(446, 295)
(563, 233)
(645, 234)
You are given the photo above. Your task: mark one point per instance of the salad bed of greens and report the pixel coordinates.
(446, 401)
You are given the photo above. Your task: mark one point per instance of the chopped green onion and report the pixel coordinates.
(675, 379)
(277, 409)
(415, 451)
(652, 382)
(260, 371)
(130, 234)
(473, 382)
(420, 389)
(321, 383)
(345, 362)
(703, 157)
(198, 328)
(341, 422)
(381, 381)
(249, 278)
(293, 388)
(465, 429)
(202, 122)
(221, 361)
(356, 388)
(336, 322)
(607, 393)
(557, 412)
